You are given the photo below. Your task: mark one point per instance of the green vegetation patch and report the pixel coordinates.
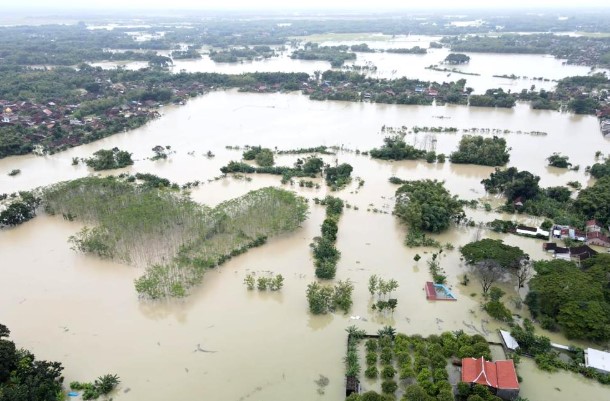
(576, 301)
(427, 206)
(482, 151)
(146, 226)
(108, 159)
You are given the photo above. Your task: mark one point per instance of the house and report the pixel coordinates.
(598, 360)
(578, 235)
(499, 376)
(518, 202)
(593, 226)
(564, 232)
(557, 251)
(597, 238)
(580, 253)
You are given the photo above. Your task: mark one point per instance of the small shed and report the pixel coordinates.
(509, 341)
(598, 360)
(352, 385)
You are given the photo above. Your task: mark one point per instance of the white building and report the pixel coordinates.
(598, 360)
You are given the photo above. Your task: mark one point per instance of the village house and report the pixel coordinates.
(499, 376)
(575, 253)
(563, 232)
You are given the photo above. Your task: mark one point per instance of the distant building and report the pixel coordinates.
(499, 376)
(598, 360)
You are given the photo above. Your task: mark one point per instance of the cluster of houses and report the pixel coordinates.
(593, 235)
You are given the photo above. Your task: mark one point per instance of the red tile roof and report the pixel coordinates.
(499, 374)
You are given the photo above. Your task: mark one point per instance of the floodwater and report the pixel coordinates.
(84, 312)
(392, 65)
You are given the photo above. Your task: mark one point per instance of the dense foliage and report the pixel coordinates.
(493, 98)
(512, 183)
(325, 254)
(108, 159)
(508, 257)
(336, 55)
(20, 210)
(594, 202)
(339, 176)
(479, 150)
(23, 377)
(426, 205)
(323, 299)
(573, 300)
(395, 148)
(558, 160)
(599, 170)
(262, 156)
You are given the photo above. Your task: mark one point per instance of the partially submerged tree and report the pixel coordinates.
(488, 272)
(426, 205)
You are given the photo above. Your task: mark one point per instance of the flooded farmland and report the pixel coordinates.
(84, 311)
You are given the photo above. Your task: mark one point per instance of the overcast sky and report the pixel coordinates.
(300, 4)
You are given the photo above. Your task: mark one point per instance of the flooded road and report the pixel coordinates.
(84, 312)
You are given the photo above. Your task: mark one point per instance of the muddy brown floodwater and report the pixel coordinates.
(84, 312)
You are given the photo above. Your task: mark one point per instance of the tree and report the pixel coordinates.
(512, 183)
(508, 257)
(313, 165)
(558, 160)
(264, 158)
(585, 320)
(339, 176)
(488, 272)
(426, 205)
(457, 58)
(319, 298)
(523, 273)
(415, 392)
(495, 307)
(483, 151)
(594, 201)
(574, 299)
(107, 159)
